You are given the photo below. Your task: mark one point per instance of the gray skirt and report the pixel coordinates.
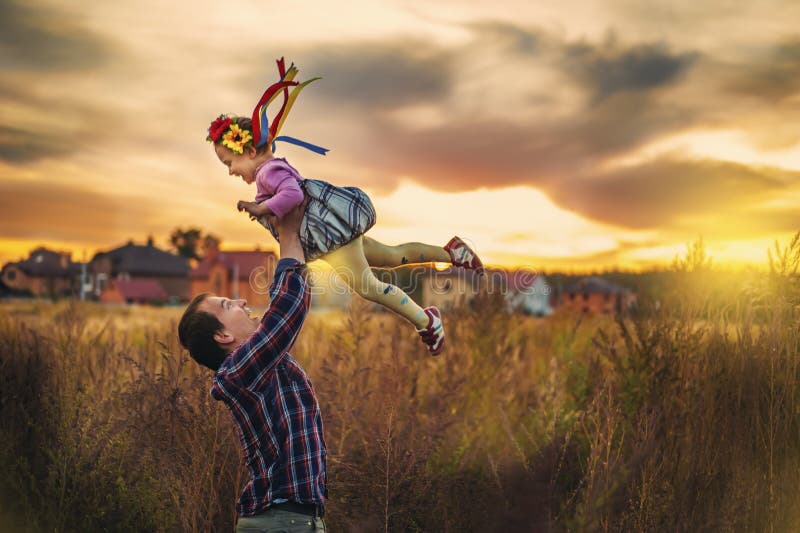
(334, 216)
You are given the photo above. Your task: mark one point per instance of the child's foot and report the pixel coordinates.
(462, 255)
(433, 334)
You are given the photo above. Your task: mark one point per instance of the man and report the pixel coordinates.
(269, 395)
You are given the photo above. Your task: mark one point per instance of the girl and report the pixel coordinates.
(336, 218)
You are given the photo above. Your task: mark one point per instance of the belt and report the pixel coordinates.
(308, 509)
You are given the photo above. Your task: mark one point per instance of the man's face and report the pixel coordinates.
(235, 317)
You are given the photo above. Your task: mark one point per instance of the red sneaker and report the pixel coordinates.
(433, 334)
(462, 255)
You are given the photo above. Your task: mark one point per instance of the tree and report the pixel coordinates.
(192, 243)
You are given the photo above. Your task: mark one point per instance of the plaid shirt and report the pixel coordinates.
(273, 403)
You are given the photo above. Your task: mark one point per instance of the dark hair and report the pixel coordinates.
(196, 333)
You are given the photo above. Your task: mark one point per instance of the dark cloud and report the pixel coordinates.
(510, 36)
(664, 191)
(19, 146)
(35, 42)
(45, 210)
(382, 74)
(775, 78)
(465, 154)
(608, 69)
(39, 39)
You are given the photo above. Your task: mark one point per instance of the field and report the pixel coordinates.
(684, 418)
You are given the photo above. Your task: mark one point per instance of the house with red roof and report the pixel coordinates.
(134, 291)
(595, 295)
(235, 274)
(138, 263)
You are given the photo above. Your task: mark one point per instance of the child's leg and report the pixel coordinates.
(350, 264)
(382, 255)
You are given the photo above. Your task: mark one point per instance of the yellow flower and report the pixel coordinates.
(236, 138)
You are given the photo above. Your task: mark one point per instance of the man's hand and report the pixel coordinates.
(290, 223)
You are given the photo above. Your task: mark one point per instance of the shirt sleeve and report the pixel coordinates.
(287, 193)
(255, 358)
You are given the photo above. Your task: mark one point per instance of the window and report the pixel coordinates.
(11, 275)
(101, 282)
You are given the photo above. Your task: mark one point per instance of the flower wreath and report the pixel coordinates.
(237, 138)
(233, 136)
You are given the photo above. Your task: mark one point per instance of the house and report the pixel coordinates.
(528, 292)
(598, 296)
(524, 291)
(138, 291)
(44, 273)
(235, 274)
(139, 262)
(445, 288)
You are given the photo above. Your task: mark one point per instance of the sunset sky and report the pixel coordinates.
(571, 134)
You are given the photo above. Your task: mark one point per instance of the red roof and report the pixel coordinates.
(247, 262)
(140, 289)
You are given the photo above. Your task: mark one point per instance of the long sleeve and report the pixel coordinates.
(278, 187)
(255, 358)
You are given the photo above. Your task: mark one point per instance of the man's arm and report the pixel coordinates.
(284, 318)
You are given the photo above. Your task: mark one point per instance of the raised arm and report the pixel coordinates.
(255, 358)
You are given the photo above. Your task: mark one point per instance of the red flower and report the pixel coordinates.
(218, 127)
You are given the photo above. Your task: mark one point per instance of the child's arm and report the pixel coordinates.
(255, 209)
(288, 194)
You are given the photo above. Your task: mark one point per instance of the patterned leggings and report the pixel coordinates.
(352, 263)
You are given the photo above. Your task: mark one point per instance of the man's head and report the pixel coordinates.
(212, 326)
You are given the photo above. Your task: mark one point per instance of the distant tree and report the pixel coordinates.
(192, 243)
(186, 242)
(210, 241)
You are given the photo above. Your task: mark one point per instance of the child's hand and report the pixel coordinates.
(250, 207)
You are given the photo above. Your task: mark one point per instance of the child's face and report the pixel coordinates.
(243, 165)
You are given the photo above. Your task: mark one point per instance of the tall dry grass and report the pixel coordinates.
(682, 418)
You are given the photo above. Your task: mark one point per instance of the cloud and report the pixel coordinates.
(467, 153)
(376, 75)
(36, 210)
(514, 38)
(775, 77)
(668, 192)
(46, 128)
(609, 69)
(39, 39)
(43, 52)
(20, 146)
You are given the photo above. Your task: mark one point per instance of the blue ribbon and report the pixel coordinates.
(308, 146)
(264, 127)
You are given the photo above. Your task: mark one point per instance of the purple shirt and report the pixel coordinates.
(278, 186)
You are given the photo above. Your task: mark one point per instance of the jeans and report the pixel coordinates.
(279, 521)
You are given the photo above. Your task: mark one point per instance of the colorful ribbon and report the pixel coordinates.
(263, 131)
